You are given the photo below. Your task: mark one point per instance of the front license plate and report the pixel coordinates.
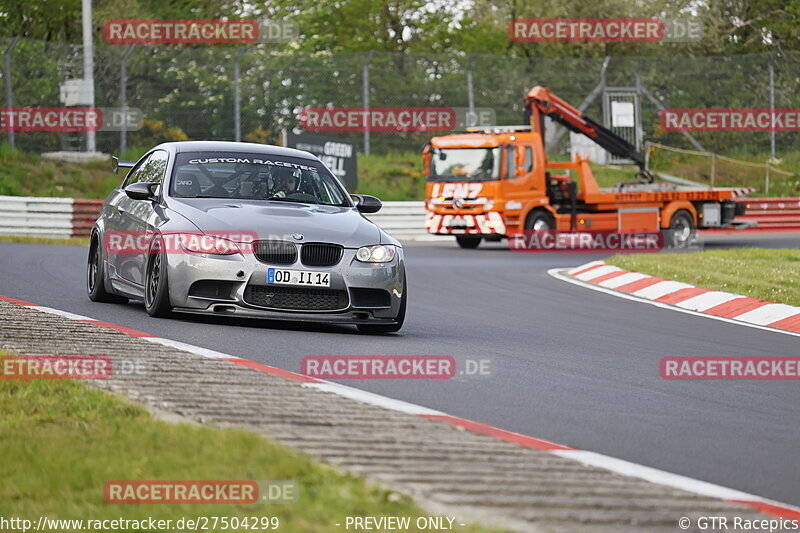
(458, 223)
(279, 276)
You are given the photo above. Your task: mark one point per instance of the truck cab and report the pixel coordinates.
(478, 182)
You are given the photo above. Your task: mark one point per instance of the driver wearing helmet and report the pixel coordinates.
(284, 182)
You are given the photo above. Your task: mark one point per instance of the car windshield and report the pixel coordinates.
(246, 176)
(465, 164)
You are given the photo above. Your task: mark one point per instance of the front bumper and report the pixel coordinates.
(242, 270)
(487, 223)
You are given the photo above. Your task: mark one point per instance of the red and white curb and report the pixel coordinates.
(606, 462)
(683, 297)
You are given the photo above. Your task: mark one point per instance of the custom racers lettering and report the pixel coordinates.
(248, 161)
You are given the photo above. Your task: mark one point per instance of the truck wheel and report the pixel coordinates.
(539, 221)
(95, 276)
(681, 229)
(468, 241)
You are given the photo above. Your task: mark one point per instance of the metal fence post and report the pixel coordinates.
(772, 105)
(88, 66)
(470, 93)
(237, 111)
(365, 98)
(766, 180)
(9, 99)
(123, 98)
(713, 168)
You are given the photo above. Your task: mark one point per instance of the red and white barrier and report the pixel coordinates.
(70, 217)
(721, 304)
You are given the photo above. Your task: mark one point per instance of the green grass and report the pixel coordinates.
(62, 440)
(732, 174)
(73, 241)
(395, 176)
(768, 274)
(610, 175)
(23, 174)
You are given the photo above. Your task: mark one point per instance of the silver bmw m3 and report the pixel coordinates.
(249, 230)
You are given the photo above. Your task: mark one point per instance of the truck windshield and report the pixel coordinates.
(465, 164)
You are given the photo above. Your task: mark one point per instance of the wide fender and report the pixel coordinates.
(668, 210)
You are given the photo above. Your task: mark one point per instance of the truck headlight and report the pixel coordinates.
(378, 253)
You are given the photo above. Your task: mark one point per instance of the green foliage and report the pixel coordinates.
(395, 176)
(155, 132)
(258, 136)
(24, 174)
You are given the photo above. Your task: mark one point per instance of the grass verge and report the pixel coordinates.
(390, 177)
(62, 440)
(772, 275)
(23, 174)
(73, 241)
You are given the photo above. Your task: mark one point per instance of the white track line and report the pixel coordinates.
(197, 350)
(662, 288)
(597, 272)
(59, 312)
(707, 300)
(768, 314)
(654, 475)
(624, 279)
(372, 398)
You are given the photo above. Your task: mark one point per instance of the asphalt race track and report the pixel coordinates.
(568, 364)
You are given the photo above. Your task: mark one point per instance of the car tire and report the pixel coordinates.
(374, 329)
(95, 276)
(539, 221)
(468, 241)
(156, 284)
(681, 229)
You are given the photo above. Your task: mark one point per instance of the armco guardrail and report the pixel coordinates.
(772, 213)
(50, 217)
(69, 217)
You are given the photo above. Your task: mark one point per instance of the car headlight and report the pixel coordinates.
(378, 253)
(207, 244)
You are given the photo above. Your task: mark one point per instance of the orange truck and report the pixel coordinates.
(495, 182)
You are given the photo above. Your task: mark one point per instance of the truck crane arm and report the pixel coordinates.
(541, 102)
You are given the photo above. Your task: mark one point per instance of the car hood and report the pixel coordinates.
(273, 220)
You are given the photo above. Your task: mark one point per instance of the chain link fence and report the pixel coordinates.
(190, 91)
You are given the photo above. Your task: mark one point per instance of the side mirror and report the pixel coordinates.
(366, 203)
(141, 191)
